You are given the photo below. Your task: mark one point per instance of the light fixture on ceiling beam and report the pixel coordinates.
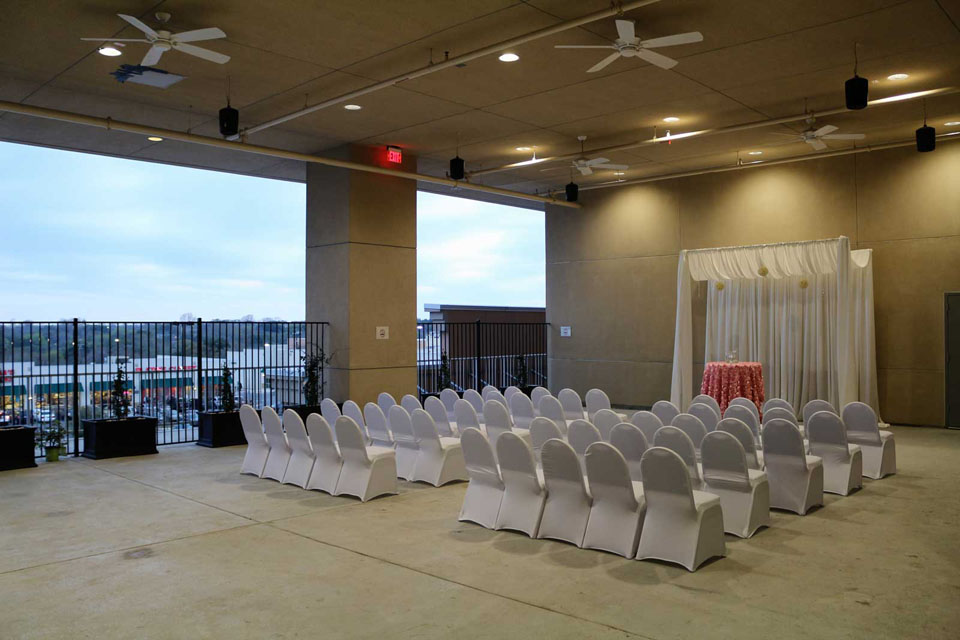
(952, 123)
(229, 117)
(754, 153)
(154, 138)
(109, 50)
(352, 107)
(508, 57)
(671, 119)
(457, 169)
(926, 135)
(572, 191)
(856, 88)
(898, 76)
(524, 148)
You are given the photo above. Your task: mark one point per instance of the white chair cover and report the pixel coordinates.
(538, 394)
(796, 479)
(385, 401)
(778, 403)
(279, 456)
(744, 493)
(377, 427)
(676, 440)
(707, 400)
(708, 416)
(255, 458)
(648, 422)
(497, 421)
(551, 408)
(605, 420)
(782, 413)
(682, 525)
(744, 415)
(572, 407)
(596, 400)
(448, 397)
(440, 459)
(748, 403)
(465, 416)
(411, 403)
(367, 472)
(523, 495)
(541, 430)
(879, 448)
(301, 452)
(327, 463)
(842, 462)
(475, 399)
(509, 393)
(406, 442)
(330, 412)
(692, 426)
(745, 436)
(816, 405)
(616, 515)
(438, 412)
(567, 507)
(487, 390)
(352, 410)
(581, 435)
(496, 396)
(632, 444)
(481, 504)
(521, 410)
(665, 410)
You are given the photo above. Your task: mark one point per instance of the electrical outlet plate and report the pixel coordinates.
(383, 333)
(564, 332)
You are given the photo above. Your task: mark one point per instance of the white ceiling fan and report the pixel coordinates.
(161, 40)
(586, 165)
(815, 136)
(628, 45)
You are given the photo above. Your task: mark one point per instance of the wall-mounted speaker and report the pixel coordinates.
(229, 121)
(926, 139)
(856, 89)
(456, 168)
(572, 192)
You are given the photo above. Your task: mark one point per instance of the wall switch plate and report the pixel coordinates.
(383, 333)
(564, 332)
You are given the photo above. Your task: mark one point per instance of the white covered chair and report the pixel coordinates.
(596, 400)
(541, 430)
(782, 413)
(521, 410)
(448, 397)
(572, 406)
(280, 451)
(796, 479)
(367, 472)
(352, 410)
(476, 401)
(744, 415)
(748, 403)
(878, 446)
(497, 421)
(496, 396)
(567, 507)
(438, 412)
(440, 460)
(617, 512)
(816, 405)
(692, 426)
(551, 408)
(401, 426)
(481, 503)
(465, 415)
(581, 435)
(509, 391)
(739, 430)
(537, 394)
(302, 457)
(410, 402)
(255, 458)
(842, 462)
(778, 403)
(707, 400)
(744, 493)
(682, 525)
(385, 401)
(632, 444)
(523, 495)
(330, 412)
(648, 423)
(605, 420)
(665, 410)
(676, 440)
(377, 428)
(487, 390)
(707, 415)
(327, 461)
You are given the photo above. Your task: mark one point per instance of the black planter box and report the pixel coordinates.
(17, 448)
(304, 410)
(220, 429)
(111, 438)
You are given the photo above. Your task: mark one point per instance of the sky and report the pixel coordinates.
(102, 238)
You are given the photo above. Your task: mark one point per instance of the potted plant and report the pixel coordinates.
(121, 434)
(51, 439)
(17, 448)
(222, 428)
(313, 382)
(521, 374)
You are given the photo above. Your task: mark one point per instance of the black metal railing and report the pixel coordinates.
(471, 355)
(56, 374)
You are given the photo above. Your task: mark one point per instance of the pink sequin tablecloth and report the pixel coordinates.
(728, 380)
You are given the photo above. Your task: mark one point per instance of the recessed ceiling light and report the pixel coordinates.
(155, 139)
(509, 57)
(524, 148)
(952, 124)
(671, 119)
(755, 153)
(898, 76)
(352, 107)
(107, 50)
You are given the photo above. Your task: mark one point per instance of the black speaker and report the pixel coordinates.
(572, 191)
(926, 139)
(456, 168)
(856, 89)
(229, 121)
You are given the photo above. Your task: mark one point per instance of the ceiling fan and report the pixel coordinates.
(815, 136)
(161, 40)
(628, 45)
(586, 165)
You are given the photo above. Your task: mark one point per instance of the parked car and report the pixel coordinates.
(5, 417)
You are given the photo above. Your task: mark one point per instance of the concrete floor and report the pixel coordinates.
(180, 545)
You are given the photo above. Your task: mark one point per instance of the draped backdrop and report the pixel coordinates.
(804, 310)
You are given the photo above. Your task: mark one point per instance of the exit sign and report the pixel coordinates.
(395, 155)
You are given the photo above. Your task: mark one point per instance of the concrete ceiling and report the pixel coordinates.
(759, 59)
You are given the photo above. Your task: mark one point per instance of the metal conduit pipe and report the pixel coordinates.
(110, 124)
(616, 8)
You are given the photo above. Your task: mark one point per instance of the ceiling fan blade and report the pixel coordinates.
(626, 30)
(617, 167)
(200, 52)
(595, 161)
(824, 130)
(818, 145)
(603, 63)
(657, 59)
(554, 169)
(844, 136)
(586, 171)
(152, 57)
(210, 33)
(584, 46)
(139, 25)
(674, 40)
(115, 39)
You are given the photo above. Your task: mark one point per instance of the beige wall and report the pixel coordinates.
(612, 265)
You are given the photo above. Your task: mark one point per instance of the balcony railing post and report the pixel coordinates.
(476, 358)
(200, 396)
(76, 387)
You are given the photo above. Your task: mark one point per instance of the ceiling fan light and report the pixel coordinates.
(508, 57)
(754, 153)
(524, 148)
(898, 76)
(926, 139)
(154, 138)
(352, 107)
(856, 90)
(572, 191)
(109, 51)
(671, 119)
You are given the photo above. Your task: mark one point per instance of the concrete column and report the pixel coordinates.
(362, 274)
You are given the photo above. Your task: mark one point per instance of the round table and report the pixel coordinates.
(725, 381)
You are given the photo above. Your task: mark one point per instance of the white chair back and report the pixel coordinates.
(632, 444)
(478, 455)
(296, 432)
(377, 424)
(724, 462)
(509, 392)
(352, 410)
(605, 420)
(779, 412)
(401, 427)
(609, 477)
(496, 420)
(410, 402)
(665, 410)
(541, 430)
(475, 399)
(783, 445)
(817, 405)
(516, 463)
(425, 431)
(252, 428)
(385, 401)
(438, 412)
(273, 428)
(707, 400)
(448, 397)
(581, 435)
(538, 394)
(487, 390)
(692, 426)
(521, 409)
(666, 483)
(350, 439)
(572, 407)
(739, 430)
(861, 424)
(561, 469)
(326, 468)
(828, 437)
(465, 415)
(330, 411)
(596, 400)
(496, 396)
(778, 403)
(680, 443)
(748, 403)
(648, 423)
(551, 408)
(707, 415)
(744, 415)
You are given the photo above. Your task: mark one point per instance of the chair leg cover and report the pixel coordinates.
(481, 504)
(255, 459)
(298, 469)
(795, 491)
(744, 511)
(612, 529)
(814, 489)
(276, 466)
(879, 461)
(368, 482)
(325, 474)
(565, 516)
(439, 469)
(842, 478)
(689, 543)
(406, 459)
(521, 510)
